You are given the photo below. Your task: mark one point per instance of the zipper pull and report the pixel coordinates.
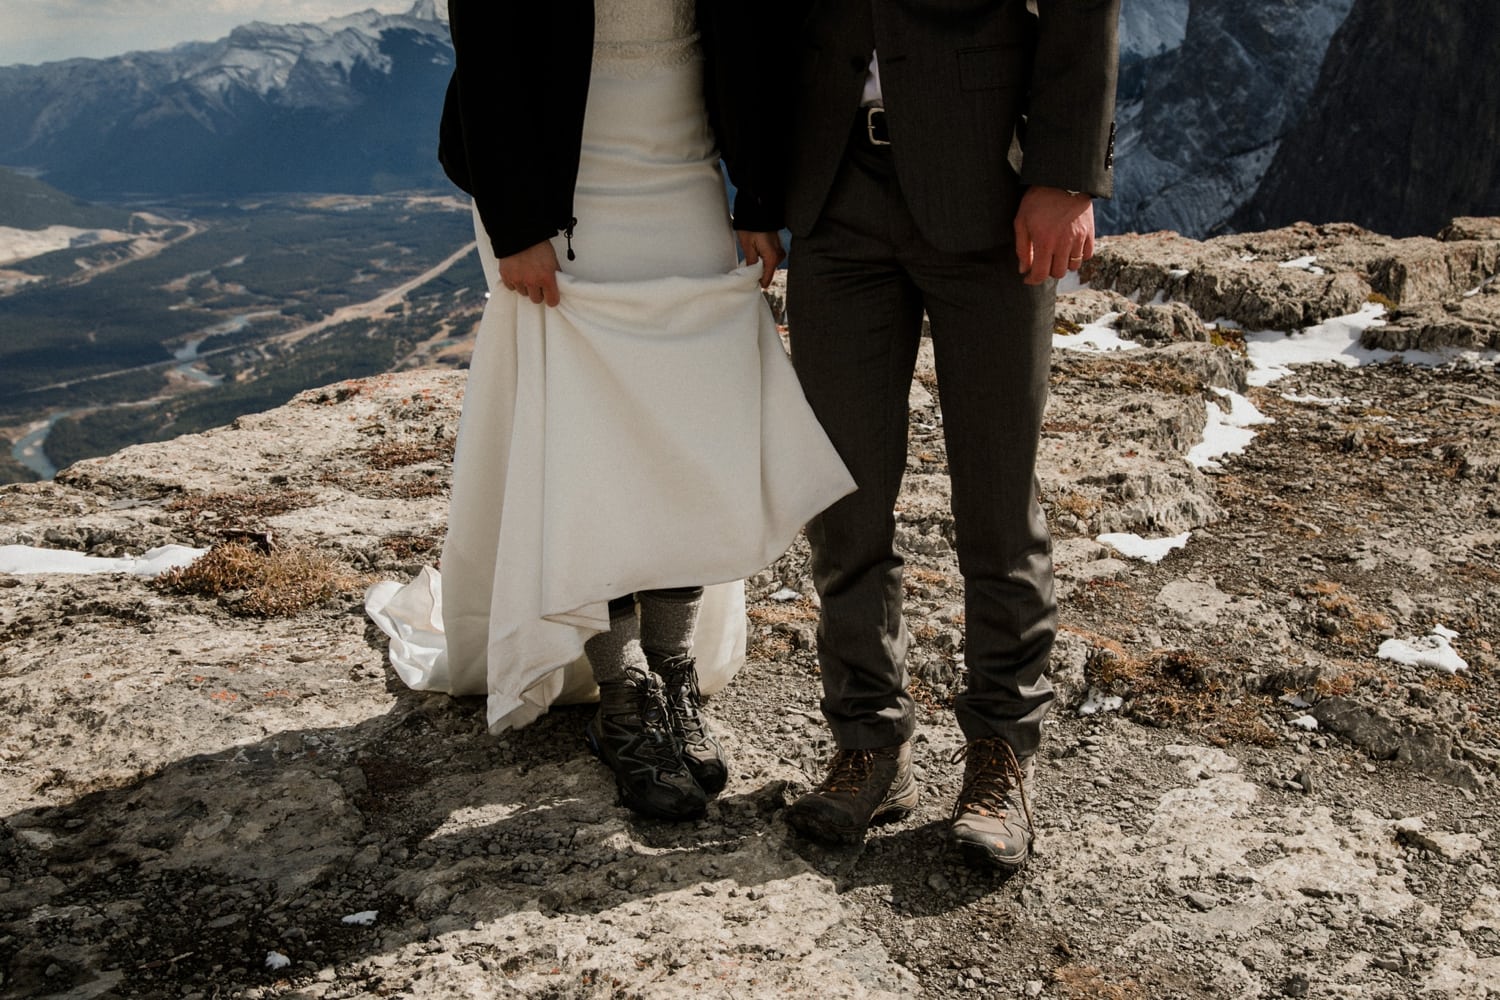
(568, 236)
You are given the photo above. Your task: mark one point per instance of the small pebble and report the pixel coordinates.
(1202, 901)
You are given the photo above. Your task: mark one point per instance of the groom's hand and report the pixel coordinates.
(1054, 232)
(764, 249)
(532, 273)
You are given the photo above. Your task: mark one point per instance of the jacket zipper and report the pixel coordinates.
(568, 236)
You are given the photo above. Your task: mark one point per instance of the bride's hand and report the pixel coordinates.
(532, 273)
(764, 249)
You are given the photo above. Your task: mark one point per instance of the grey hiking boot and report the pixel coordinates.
(701, 753)
(991, 821)
(863, 787)
(632, 733)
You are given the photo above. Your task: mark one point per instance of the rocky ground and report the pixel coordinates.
(1238, 797)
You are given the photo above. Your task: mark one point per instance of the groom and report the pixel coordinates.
(944, 158)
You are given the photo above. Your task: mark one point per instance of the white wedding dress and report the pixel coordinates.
(648, 432)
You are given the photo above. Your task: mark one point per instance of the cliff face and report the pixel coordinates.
(1401, 133)
(1200, 120)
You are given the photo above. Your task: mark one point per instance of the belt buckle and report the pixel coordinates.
(870, 113)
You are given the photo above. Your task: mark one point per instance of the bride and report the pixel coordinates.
(633, 442)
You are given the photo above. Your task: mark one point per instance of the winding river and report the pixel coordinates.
(30, 450)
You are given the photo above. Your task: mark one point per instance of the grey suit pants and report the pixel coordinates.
(858, 285)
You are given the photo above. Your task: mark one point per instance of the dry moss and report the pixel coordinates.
(1228, 337)
(1165, 379)
(919, 581)
(1086, 982)
(1078, 505)
(768, 646)
(240, 508)
(1174, 687)
(1356, 625)
(379, 486)
(256, 583)
(408, 546)
(800, 610)
(403, 452)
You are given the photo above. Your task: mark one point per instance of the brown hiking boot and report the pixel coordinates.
(991, 821)
(863, 787)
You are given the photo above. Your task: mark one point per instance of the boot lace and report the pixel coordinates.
(680, 678)
(989, 775)
(658, 743)
(848, 771)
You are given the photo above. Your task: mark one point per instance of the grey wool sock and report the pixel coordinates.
(611, 652)
(668, 620)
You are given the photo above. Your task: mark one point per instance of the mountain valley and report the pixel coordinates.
(198, 311)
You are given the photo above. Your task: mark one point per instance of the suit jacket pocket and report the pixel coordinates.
(991, 67)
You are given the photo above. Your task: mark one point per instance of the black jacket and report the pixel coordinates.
(958, 77)
(513, 116)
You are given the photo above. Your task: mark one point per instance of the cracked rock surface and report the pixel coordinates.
(1273, 809)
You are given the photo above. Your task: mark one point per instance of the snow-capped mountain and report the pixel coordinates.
(350, 104)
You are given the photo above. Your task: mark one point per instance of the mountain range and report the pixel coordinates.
(1213, 94)
(349, 105)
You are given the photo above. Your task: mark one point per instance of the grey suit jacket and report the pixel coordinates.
(962, 80)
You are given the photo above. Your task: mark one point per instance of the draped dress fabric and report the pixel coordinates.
(648, 432)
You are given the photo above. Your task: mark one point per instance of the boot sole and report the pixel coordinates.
(981, 857)
(822, 826)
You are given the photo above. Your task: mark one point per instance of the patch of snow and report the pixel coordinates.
(364, 918)
(1306, 722)
(1098, 701)
(1435, 650)
(27, 559)
(1098, 336)
(786, 594)
(1308, 264)
(1272, 353)
(1151, 550)
(1226, 433)
(276, 960)
(1480, 287)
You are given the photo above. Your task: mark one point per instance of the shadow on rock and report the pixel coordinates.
(331, 846)
(914, 870)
